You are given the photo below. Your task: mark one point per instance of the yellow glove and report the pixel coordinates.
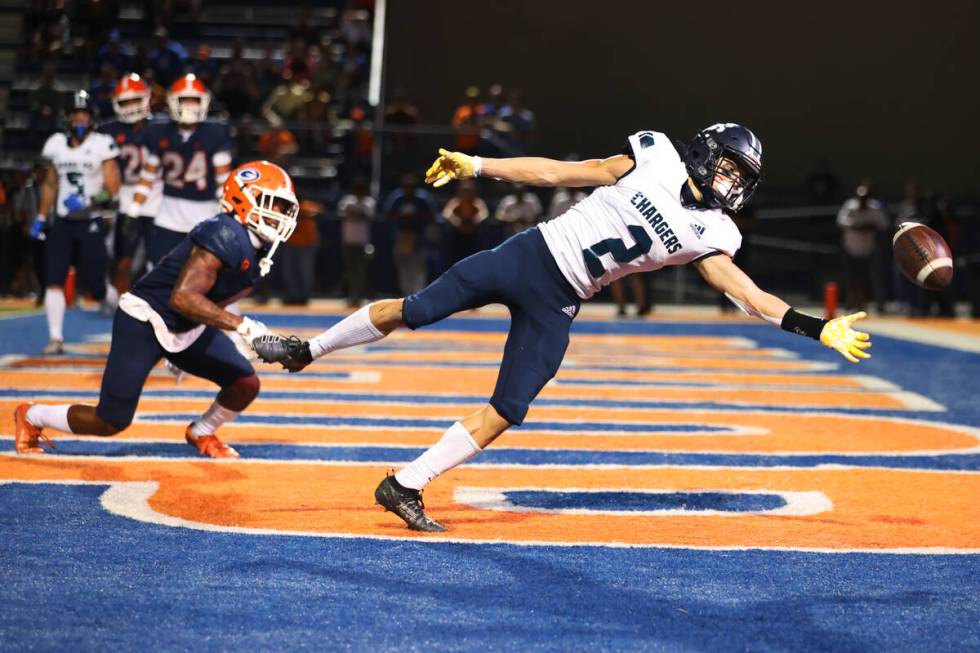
(452, 165)
(838, 334)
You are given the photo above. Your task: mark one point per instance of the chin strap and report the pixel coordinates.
(265, 263)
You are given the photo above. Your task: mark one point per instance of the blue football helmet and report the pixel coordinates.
(725, 162)
(80, 101)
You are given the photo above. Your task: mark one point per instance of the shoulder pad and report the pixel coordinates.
(221, 235)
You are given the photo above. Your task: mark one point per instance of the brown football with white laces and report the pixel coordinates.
(923, 256)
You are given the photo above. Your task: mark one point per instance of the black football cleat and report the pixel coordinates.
(407, 504)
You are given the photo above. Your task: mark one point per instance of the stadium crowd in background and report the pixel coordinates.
(300, 101)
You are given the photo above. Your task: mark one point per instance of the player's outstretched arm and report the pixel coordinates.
(532, 171)
(722, 274)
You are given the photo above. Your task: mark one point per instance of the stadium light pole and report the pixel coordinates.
(376, 92)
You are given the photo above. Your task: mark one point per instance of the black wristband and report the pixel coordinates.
(803, 324)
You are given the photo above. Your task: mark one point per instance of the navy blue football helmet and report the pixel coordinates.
(80, 101)
(725, 162)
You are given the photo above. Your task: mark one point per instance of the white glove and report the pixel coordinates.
(251, 329)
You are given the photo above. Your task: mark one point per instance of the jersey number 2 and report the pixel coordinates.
(620, 252)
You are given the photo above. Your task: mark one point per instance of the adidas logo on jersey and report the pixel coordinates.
(569, 311)
(698, 230)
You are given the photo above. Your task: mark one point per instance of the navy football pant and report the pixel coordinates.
(128, 237)
(80, 243)
(522, 274)
(135, 351)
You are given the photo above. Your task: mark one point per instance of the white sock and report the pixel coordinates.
(212, 419)
(54, 417)
(454, 448)
(54, 308)
(111, 296)
(355, 329)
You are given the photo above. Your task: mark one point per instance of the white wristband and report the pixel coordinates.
(477, 166)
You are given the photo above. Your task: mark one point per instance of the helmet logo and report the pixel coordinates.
(248, 175)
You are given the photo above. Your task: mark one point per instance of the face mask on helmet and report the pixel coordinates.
(725, 162)
(132, 109)
(733, 182)
(188, 109)
(268, 211)
(79, 124)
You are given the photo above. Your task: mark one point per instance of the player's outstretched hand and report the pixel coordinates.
(293, 353)
(838, 334)
(449, 166)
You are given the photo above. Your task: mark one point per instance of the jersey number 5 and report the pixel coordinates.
(196, 172)
(619, 251)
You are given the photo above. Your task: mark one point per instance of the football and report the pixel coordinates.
(923, 256)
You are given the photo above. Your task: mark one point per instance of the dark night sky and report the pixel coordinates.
(881, 89)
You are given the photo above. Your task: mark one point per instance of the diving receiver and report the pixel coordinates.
(653, 206)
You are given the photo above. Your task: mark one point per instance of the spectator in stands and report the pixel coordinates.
(26, 199)
(519, 210)
(465, 213)
(638, 286)
(286, 102)
(102, 88)
(356, 210)
(318, 115)
(278, 145)
(46, 102)
(355, 27)
(166, 59)
(942, 218)
(203, 66)
(495, 101)
(299, 255)
(516, 121)
(299, 65)
(565, 198)
(401, 112)
(115, 53)
(401, 115)
(467, 119)
(862, 220)
(237, 85)
(410, 211)
(912, 208)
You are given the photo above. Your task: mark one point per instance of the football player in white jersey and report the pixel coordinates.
(82, 181)
(652, 207)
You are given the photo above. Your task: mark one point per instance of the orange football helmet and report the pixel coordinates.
(262, 197)
(131, 99)
(191, 112)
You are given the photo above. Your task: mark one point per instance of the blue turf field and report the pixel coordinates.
(75, 577)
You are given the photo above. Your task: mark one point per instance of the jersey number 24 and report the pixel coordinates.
(177, 176)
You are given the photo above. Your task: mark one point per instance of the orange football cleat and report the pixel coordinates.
(26, 435)
(209, 445)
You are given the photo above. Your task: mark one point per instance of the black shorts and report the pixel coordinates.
(135, 351)
(80, 243)
(522, 274)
